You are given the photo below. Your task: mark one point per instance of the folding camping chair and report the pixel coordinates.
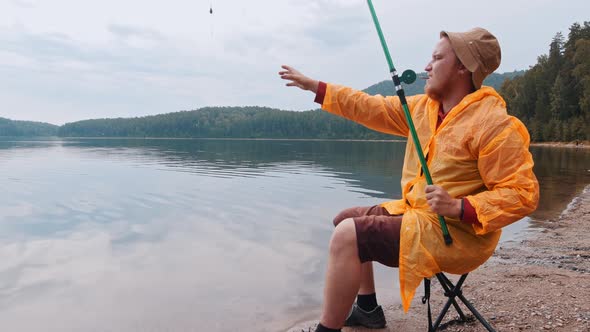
(451, 292)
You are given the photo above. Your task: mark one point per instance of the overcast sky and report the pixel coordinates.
(68, 60)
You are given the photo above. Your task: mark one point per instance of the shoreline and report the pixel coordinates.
(574, 144)
(538, 283)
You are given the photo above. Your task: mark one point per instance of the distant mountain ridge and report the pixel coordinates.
(26, 128)
(225, 122)
(385, 88)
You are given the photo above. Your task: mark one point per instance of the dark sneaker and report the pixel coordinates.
(374, 319)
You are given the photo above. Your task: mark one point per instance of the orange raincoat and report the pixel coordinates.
(478, 152)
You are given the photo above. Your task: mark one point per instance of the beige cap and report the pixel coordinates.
(478, 50)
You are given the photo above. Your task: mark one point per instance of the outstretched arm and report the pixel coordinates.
(379, 113)
(298, 79)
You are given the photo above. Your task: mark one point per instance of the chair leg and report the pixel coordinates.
(476, 313)
(452, 291)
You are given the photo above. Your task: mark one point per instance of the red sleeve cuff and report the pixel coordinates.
(321, 93)
(469, 215)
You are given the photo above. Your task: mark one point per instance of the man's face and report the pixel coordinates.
(443, 70)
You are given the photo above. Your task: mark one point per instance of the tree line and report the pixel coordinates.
(245, 122)
(26, 128)
(224, 122)
(553, 97)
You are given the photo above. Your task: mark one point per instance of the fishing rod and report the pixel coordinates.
(408, 77)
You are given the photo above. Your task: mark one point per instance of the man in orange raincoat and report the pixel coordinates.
(478, 158)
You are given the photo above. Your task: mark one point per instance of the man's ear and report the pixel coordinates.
(463, 70)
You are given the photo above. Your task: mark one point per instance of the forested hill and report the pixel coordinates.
(242, 122)
(553, 96)
(385, 88)
(225, 122)
(26, 128)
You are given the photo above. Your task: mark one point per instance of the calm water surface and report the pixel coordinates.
(194, 235)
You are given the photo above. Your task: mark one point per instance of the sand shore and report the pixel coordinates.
(541, 283)
(575, 144)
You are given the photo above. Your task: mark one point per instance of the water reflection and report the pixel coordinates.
(364, 165)
(372, 167)
(103, 233)
(563, 173)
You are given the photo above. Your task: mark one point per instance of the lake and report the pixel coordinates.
(196, 235)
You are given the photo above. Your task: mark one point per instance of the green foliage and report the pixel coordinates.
(553, 96)
(243, 122)
(26, 128)
(225, 122)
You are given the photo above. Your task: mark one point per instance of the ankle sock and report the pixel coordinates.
(322, 328)
(367, 302)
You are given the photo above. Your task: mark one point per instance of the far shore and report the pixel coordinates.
(574, 144)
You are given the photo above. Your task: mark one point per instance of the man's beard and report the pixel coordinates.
(432, 93)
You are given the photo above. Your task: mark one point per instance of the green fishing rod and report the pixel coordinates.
(408, 77)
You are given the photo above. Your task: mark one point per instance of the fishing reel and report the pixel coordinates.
(408, 76)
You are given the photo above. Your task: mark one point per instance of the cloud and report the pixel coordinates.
(68, 77)
(328, 31)
(126, 31)
(23, 3)
(137, 58)
(58, 52)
